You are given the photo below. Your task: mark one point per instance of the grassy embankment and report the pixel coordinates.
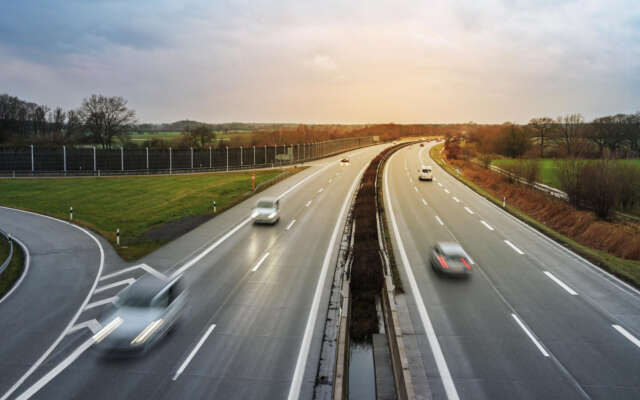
(14, 269)
(136, 205)
(627, 269)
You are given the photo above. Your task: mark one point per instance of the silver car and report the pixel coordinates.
(143, 313)
(267, 211)
(450, 258)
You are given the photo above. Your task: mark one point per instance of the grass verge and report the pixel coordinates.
(14, 269)
(628, 270)
(136, 204)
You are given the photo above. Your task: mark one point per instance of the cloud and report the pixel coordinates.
(329, 61)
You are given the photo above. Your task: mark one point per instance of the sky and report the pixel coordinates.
(327, 61)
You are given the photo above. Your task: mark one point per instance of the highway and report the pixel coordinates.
(534, 321)
(258, 297)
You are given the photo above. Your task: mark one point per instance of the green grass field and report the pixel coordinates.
(549, 168)
(135, 205)
(243, 136)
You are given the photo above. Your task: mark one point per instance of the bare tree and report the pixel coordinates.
(199, 135)
(542, 126)
(107, 118)
(571, 128)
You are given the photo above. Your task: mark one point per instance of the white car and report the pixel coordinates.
(425, 173)
(267, 211)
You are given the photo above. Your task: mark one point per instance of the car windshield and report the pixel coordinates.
(264, 204)
(135, 298)
(426, 170)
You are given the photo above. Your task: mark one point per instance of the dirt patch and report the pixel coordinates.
(171, 230)
(621, 239)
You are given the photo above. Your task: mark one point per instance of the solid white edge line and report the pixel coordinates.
(298, 374)
(73, 320)
(517, 250)
(424, 202)
(193, 352)
(27, 262)
(533, 338)
(468, 210)
(489, 227)
(439, 220)
(33, 389)
(626, 334)
(290, 224)
(560, 283)
(441, 363)
(259, 263)
(308, 203)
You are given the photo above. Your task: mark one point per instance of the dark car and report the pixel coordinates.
(143, 313)
(450, 258)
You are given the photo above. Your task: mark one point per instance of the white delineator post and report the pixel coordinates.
(504, 201)
(118, 237)
(214, 206)
(71, 213)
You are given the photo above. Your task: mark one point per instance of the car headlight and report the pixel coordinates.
(254, 214)
(272, 215)
(147, 332)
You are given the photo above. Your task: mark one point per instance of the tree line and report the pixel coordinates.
(100, 120)
(565, 136)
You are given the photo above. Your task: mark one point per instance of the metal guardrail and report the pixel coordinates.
(399, 359)
(6, 263)
(559, 194)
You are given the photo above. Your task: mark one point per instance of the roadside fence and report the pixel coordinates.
(70, 161)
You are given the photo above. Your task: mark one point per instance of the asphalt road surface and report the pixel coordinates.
(534, 321)
(254, 321)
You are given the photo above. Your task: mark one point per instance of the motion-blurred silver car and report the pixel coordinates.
(143, 313)
(450, 258)
(267, 211)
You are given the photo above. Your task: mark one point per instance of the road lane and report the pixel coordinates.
(594, 358)
(259, 315)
